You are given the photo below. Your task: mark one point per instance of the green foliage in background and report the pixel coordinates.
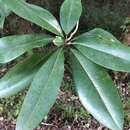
(10, 107)
(88, 55)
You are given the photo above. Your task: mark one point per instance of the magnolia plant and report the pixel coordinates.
(89, 55)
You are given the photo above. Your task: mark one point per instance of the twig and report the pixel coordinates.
(73, 33)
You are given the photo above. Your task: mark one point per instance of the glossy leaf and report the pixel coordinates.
(97, 92)
(104, 49)
(42, 93)
(4, 9)
(4, 12)
(35, 14)
(2, 20)
(13, 46)
(21, 75)
(69, 14)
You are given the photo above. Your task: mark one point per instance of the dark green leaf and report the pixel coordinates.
(35, 14)
(4, 12)
(21, 75)
(104, 49)
(4, 9)
(69, 14)
(13, 46)
(42, 93)
(97, 92)
(2, 20)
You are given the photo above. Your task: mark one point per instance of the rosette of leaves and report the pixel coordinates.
(89, 55)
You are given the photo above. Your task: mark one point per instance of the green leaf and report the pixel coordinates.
(35, 14)
(4, 12)
(69, 14)
(42, 93)
(21, 75)
(58, 41)
(97, 91)
(4, 9)
(104, 49)
(13, 46)
(2, 20)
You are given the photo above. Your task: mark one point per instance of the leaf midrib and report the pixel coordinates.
(45, 84)
(35, 65)
(24, 46)
(97, 91)
(29, 7)
(27, 43)
(70, 10)
(101, 50)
